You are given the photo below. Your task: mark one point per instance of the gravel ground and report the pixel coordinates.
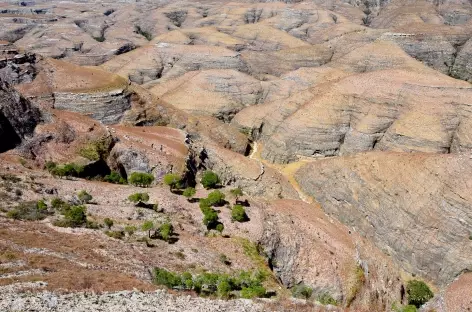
(123, 301)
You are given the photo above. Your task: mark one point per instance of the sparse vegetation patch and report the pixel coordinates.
(245, 284)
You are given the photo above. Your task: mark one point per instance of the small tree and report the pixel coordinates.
(84, 197)
(166, 230)
(209, 179)
(50, 165)
(418, 293)
(253, 292)
(114, 177)
(148, 226)
(139, 197)
(172, 180)
(220, 227)
(130, 229)
(238, 213)
(108, 222)
(216, 198)
(57, 203)
(210, 217)
(141, 179)
(237, 192)
(224, 288)
(189, 192)
(41, 205)
(76, 216)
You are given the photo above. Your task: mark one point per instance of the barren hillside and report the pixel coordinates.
(236, 155)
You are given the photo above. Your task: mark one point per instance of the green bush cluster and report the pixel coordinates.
(165, 232)
(29, 211)
(238, 213)
(189, 192)
(96, 150)
(210, 215)
(130, 229)
(172, 180)
(245, 284)
(302, 291)
(66, 170)
(418, 293)
(141, 179)
(108, 222)
(139, 197)
(237, 192)
(74, 216)
(209, 179)
(115, 177)
(148, 226)
(216, 198)
(115, 234)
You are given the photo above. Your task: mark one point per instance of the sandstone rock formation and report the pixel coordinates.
(305, 246)
(380, 110)
(415, 207)
(359, 107)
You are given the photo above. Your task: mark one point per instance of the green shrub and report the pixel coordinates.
(189, 192)
(141, 179)
(41, 205)
(326, 299)
(130, 229)
(166, 230)
(76, 216)
(187, 281)
(28, 211)
(166, 278)
(216, 198)
(302, 291)
(108, 222)
(148, 226)
(237, 192)
(253, 292)
(209, 179)
(238, 213)
(115, 234)
(50, 165)
(98, 149)
(224, 288)
(224, 259)
(172, 180)
(209, 283)
(67, 170)
(92, 225)
(210, 217)
(204, 203)
(409, 308)
(57, 203)
(220, 227)
(115, 177)
(139, 197)
(418, 293)
(84, 197)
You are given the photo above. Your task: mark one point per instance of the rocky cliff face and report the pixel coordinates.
(108, 107)
(414, 207)
(304, 246)
(18, 117)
